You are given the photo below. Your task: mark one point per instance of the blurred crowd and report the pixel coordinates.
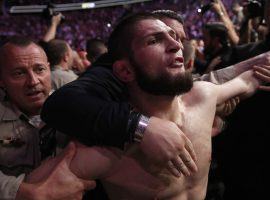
(95, 23)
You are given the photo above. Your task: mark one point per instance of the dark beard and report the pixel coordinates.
(164, 84)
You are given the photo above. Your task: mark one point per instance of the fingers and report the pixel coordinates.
(68, 154)
(173, 169)
(229, 106)
(188, 162)
(262, 77)
(88, 185)
(263, 73)
(264, 88)
(190, 149)
(182, 164)
(185, 162)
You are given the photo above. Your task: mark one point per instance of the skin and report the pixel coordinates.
(155, 47)
(67, 61)
(26, 77)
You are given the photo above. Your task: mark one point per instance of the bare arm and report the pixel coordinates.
(51, 32)
(220, 9)
(228, 73)
(243, 86)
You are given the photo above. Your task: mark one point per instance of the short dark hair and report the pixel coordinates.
(119, 44)
(94, 48)
(55, 50)
(19, 41)
(216, 29)
(169, 14)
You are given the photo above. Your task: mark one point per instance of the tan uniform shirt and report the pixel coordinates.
(19, 149)
(61, 77)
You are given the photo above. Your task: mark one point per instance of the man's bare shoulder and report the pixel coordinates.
(200, 92)
(202, 88)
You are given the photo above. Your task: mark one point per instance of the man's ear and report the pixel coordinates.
(123, 70)
(49, 65)
(65, 57)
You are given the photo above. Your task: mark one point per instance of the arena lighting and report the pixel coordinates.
(71, 6)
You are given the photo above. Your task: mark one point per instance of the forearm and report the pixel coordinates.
(242, 86)
(90, 163)
(233, 36)
(51, 32)
(225, 74)
(220, 76)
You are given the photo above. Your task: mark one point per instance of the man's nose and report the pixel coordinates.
(32, 79)
(175, 45)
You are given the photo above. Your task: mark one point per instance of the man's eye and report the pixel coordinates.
(18, 73)
(40, 69)
(178, 39)
(152, 41)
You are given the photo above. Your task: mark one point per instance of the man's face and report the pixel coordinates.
(180, 35)
(157, 59)
(70, 58)
(177, 27)
(209, 45)
(26, 77)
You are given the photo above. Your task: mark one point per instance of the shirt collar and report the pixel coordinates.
(9, 112)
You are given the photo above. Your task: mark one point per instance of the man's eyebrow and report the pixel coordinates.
(159, 33)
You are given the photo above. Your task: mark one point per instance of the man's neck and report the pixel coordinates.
(165, 107)
(63, 66)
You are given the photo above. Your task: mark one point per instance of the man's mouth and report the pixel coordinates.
(33, 92)
(178, 62)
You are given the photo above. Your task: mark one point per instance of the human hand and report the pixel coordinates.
(218, 126)
(216, 6)
(56, 19)
(212, 65)
(228, 107)
(164, 143)
(262, 59)
(263, 74)
(54, 179)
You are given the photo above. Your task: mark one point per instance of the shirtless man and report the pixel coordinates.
(148, 58)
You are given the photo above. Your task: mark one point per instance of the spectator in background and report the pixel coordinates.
(238, 17)
(80, 62)
(219, 8)
(247, 136)
(51, 32)
(217, 49)
(95, 48)
(25, 76)
(60, 56)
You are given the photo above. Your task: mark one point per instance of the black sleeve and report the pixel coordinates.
(93, 109)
